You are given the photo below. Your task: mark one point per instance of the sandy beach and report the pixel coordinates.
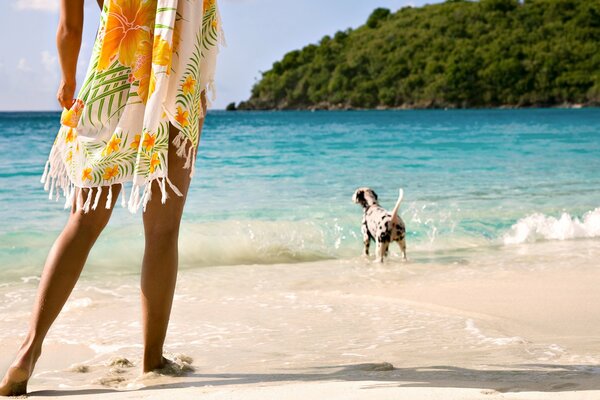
(340, 329)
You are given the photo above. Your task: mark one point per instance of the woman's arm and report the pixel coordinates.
(68, 43)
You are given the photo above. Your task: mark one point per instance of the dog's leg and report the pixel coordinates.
(384, 249)
(402, 244)
(379, 252)
(366, 238)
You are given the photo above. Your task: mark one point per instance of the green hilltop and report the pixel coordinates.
(458, 54)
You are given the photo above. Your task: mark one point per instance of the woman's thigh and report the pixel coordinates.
(170, 212)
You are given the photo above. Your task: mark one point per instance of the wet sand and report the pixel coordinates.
(495, 327)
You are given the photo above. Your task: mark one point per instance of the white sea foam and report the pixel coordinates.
(499, 341)
(542, 227)
(78, 303)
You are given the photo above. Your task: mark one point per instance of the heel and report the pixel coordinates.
(16, 382)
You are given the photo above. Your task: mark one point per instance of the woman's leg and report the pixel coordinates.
(159, 267)
(61, 271)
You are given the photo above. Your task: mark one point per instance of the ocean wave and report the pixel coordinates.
(539, 226)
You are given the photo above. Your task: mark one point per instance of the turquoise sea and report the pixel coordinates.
(276, 187)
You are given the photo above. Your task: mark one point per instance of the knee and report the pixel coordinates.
(90, 224)
(166, 231)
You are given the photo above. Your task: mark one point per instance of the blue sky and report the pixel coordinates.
(258, 32)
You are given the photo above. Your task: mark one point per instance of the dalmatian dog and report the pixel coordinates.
(379, 225)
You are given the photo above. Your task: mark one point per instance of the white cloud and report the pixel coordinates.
(38, 5)
(48, 61)
(23, 65)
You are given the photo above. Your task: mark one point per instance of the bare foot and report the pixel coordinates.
(149, 367)
(178, 366)
(14, 382)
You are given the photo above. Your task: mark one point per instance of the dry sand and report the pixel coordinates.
(334, 330)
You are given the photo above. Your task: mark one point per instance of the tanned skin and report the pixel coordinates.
(70, 250)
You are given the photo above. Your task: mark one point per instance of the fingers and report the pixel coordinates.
(66, 94)
(66, 102)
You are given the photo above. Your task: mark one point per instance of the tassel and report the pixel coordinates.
(163, 189)
(213, 90)
(51, 181)
(45, 174)
(173, 187)
(181, 149)
(70, 197)
(192, 169)
(133, 198)
(177, 141)
(188, 159)
(67, 196)
(97, 199)
(79, 205)
(65, 188)
(109, 198)
(57, 190)
(123, 202)
(147, 195)
(88, 201)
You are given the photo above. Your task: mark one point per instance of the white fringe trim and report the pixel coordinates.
(55, 175)
(142, 194)
(55, 179)
(108, 204)
(97, 200)
(181, 143)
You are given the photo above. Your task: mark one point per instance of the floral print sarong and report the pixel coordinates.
(151, 62)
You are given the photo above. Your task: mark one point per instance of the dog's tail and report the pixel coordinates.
(397, 207)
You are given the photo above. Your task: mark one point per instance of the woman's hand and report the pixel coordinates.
(66, 93)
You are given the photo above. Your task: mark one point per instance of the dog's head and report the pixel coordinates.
(365, 197)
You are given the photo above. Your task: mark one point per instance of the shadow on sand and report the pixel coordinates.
(519, 378)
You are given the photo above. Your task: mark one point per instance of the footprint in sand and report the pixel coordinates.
(79, 368)
(111, 381)
(121, 362)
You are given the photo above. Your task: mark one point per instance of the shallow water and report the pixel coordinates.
(276, 187)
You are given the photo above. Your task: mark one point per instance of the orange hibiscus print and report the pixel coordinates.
(149, 141)
(207, 4)
(86, 174)
(154, 162)
(142, 68)
(189, 85)
(127, 25)
(112, 145)
(182, 117)
(162, 53)
(136, 142)
(110, 172)
(70, 136)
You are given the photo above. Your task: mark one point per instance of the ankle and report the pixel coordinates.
(153, 362)
(27, 356)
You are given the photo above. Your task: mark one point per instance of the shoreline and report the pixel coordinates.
(574, 106)
(344, 329)
(339, 107)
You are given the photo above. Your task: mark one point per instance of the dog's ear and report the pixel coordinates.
(374, 194)
(359, 196)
